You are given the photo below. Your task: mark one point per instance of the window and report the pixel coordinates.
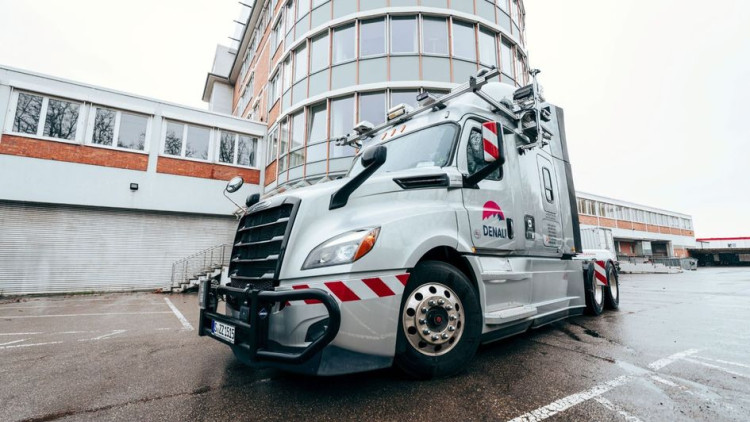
(342, 122)
(514, 11)
(61, 119)
(185, 140)
(503, 5)
(132, 132)
(319, 53)
(28, 110)
(404, 97)
(435, 36)
(237, 149)
(287, 74)
(274, 90)
(300, 64)
(487, 48)
(549, 194)
(283, 145)
(372, 38)
(403, 35)
(303, 8)
(289, 15)
(343, 44)
(277, 34)
(507, 59)
(273, 145)
(42, 116)
(297, 156)
(430, 147)
(475, 154)
(316, 131)
(520, 69)
(316, 3)
(372, 108)
(464, 42)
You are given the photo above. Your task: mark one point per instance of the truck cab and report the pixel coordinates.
(455, 225)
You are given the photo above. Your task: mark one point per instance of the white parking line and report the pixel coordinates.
(20, 334)
(615, 408)
(29, 345)
(566, 403)
(725, 362)
(81, 315)
(719, 368)
(179, 315)
(670, 359)
(664, 381)
(104, 336)
(12, 342)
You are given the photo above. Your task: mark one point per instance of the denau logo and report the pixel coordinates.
(491, 209)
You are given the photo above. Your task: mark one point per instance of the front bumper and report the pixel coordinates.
(252, 326)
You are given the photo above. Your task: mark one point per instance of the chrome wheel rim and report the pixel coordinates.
(614, 286)
(598, 292)
(433, 319)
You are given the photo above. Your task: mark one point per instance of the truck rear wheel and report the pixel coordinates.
(439, 322)
(594, 292)
(612, 298)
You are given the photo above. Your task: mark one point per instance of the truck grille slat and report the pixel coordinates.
(259, 246)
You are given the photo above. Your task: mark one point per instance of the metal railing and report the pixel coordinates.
(684, 263)
(200, 263)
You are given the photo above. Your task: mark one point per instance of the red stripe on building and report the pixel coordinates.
(403, 278)
(376, 285)
(307, 301)
(342, 292)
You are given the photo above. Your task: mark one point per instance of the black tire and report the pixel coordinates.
(612, 296)
(593, 306)
(452, 356)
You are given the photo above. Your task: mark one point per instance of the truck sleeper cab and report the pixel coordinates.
(453, 227)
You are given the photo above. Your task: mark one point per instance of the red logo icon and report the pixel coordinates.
(491, 209)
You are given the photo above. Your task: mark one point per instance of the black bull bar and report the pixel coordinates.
(251, 329)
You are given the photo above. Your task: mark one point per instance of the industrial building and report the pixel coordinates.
(718, 251)
(104, 190)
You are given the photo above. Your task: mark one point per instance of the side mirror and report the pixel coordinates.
(494, 153)
(492, 141)
(374, 155)
(235, 184)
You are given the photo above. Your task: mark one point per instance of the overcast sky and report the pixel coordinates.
(655, 91)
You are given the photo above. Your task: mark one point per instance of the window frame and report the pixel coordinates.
(460, 23)
(448, 37)
(389, 34)
(116, 130)
(236, 157)
(39, 134)
(360, 38)
(211, 141)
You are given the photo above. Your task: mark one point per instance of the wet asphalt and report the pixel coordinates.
(678, 349)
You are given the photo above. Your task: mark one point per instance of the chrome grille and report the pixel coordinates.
(259, 246)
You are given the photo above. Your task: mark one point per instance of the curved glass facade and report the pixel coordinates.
(329, 64)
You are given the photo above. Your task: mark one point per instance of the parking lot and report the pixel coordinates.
(678, 349)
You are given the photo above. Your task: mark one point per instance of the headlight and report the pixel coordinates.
(342, 249)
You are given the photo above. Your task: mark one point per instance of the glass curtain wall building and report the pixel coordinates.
(312, 69)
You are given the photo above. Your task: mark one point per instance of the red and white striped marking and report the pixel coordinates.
(489, 140)
(600, 272)
(356, 289)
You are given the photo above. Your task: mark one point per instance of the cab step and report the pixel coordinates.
(508, 315)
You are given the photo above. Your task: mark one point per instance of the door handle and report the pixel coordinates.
(509, 222)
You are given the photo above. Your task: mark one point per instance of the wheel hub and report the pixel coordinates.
(432, 319)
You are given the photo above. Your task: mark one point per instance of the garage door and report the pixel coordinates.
(52, 248)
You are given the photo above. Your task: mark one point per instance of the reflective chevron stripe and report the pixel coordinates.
(357, 289)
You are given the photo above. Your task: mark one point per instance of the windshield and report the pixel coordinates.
(430, 147)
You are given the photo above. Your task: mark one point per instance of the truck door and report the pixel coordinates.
(550, 227)
(490, 206)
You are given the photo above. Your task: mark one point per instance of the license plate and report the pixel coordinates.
(222, 330)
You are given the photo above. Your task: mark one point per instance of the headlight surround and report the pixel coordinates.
(342, 249)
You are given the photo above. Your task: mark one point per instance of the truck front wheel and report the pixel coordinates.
(440, 322)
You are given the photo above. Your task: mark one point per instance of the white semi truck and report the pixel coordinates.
(456, 225)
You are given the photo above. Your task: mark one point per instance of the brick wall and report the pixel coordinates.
(681, 253)
(189, 168)
(607, 222)
(587, 219)
(72, 153)
(271, 173)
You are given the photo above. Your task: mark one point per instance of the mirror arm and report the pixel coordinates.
(472, 181)
(341, 196)
(232, 201)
